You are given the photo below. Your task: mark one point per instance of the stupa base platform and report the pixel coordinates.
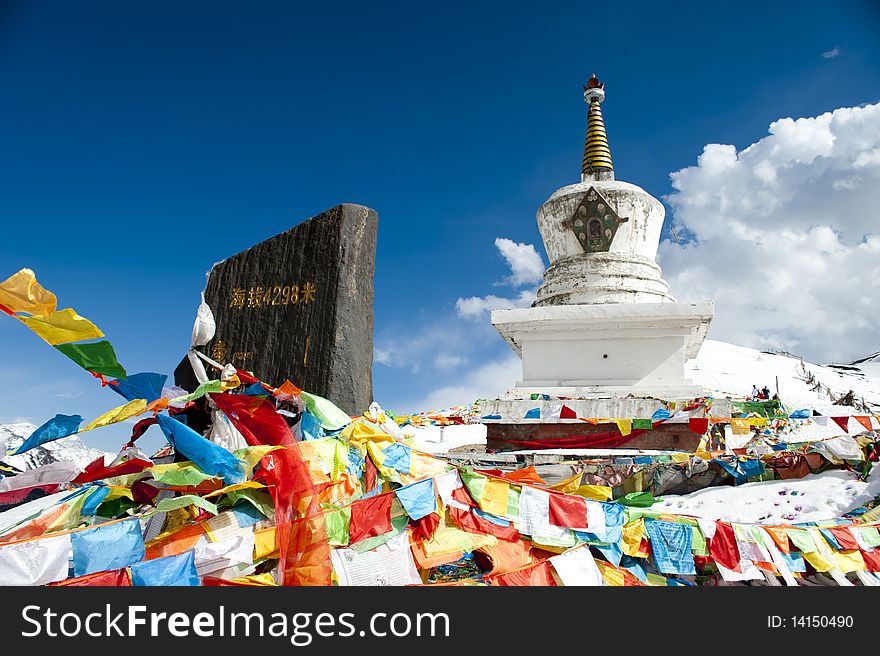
(634, 348)
(575, 434)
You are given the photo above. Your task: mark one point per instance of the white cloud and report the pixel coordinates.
(487, 381)
(477, 307)
(831, 54)
(526, 266)
(447, 361)
(787, 236)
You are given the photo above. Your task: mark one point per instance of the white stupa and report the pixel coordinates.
(604, 322)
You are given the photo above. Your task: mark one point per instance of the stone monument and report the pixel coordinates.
(604, 324)
(299, 306)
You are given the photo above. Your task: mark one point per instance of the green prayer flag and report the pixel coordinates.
(186, 500)
(337, 522)
(698, 543)
(801, 539)
(870, 535)
(331, 417)
(474, 483)
(179, 473)
(97, 357)
(259, 499)
(643, 424)
(638, 499)
(205, 388)
(513, 494)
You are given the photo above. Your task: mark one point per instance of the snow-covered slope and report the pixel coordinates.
(70, 449)
(727, 370)
(815, 497)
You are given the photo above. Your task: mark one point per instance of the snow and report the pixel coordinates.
(442, 439)
(726, 370)
(816, 497)
(68, 449)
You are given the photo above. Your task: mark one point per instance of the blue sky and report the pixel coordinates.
(141, 142)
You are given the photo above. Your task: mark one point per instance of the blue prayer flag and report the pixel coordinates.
(111, 546)
(179, 570)
(311, 427)
(57, 427)
(211, 458)
(418, 499)
(96, 496)
(671, 545)
(397, 456)
(660, 415)
(145, 385)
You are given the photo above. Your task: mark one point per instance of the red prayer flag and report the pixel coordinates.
(568, 510)
(533, 575)
(722, 547)
(567, 413)
(426, 526)
(472, 523)
(370, 517)
(844, 538)
(699, 425)
(302, 538)
(245, 377)
(461, 495)
(96, 470)
(116, 578)
(872, 559)
(842, 422)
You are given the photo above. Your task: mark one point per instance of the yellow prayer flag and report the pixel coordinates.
(568, 485)
(757, 421)
(62, 327)
(594, 492)
(818, 561)
(625, 426)
(494, 499)
(247, 485)
(740, 426)
(849, 561)
(264, 579)
(22, 293)
(121, 413)
(264, 542)
(612, 575)
(680, 457)
(632, 536)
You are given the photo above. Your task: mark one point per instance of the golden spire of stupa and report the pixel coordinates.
(597, 156)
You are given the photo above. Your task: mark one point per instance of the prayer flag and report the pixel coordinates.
(699, 425)
(22, 293)
(110, 546)
(419, 499)
(96, 357)
(114, 416)
(842, 422)
(144, 385)
(179, 570)
(209, 457)
(568, 511)
(54, 429)
(370, 517)
(62, 327)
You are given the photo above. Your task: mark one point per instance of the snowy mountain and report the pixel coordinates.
(70, 449)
